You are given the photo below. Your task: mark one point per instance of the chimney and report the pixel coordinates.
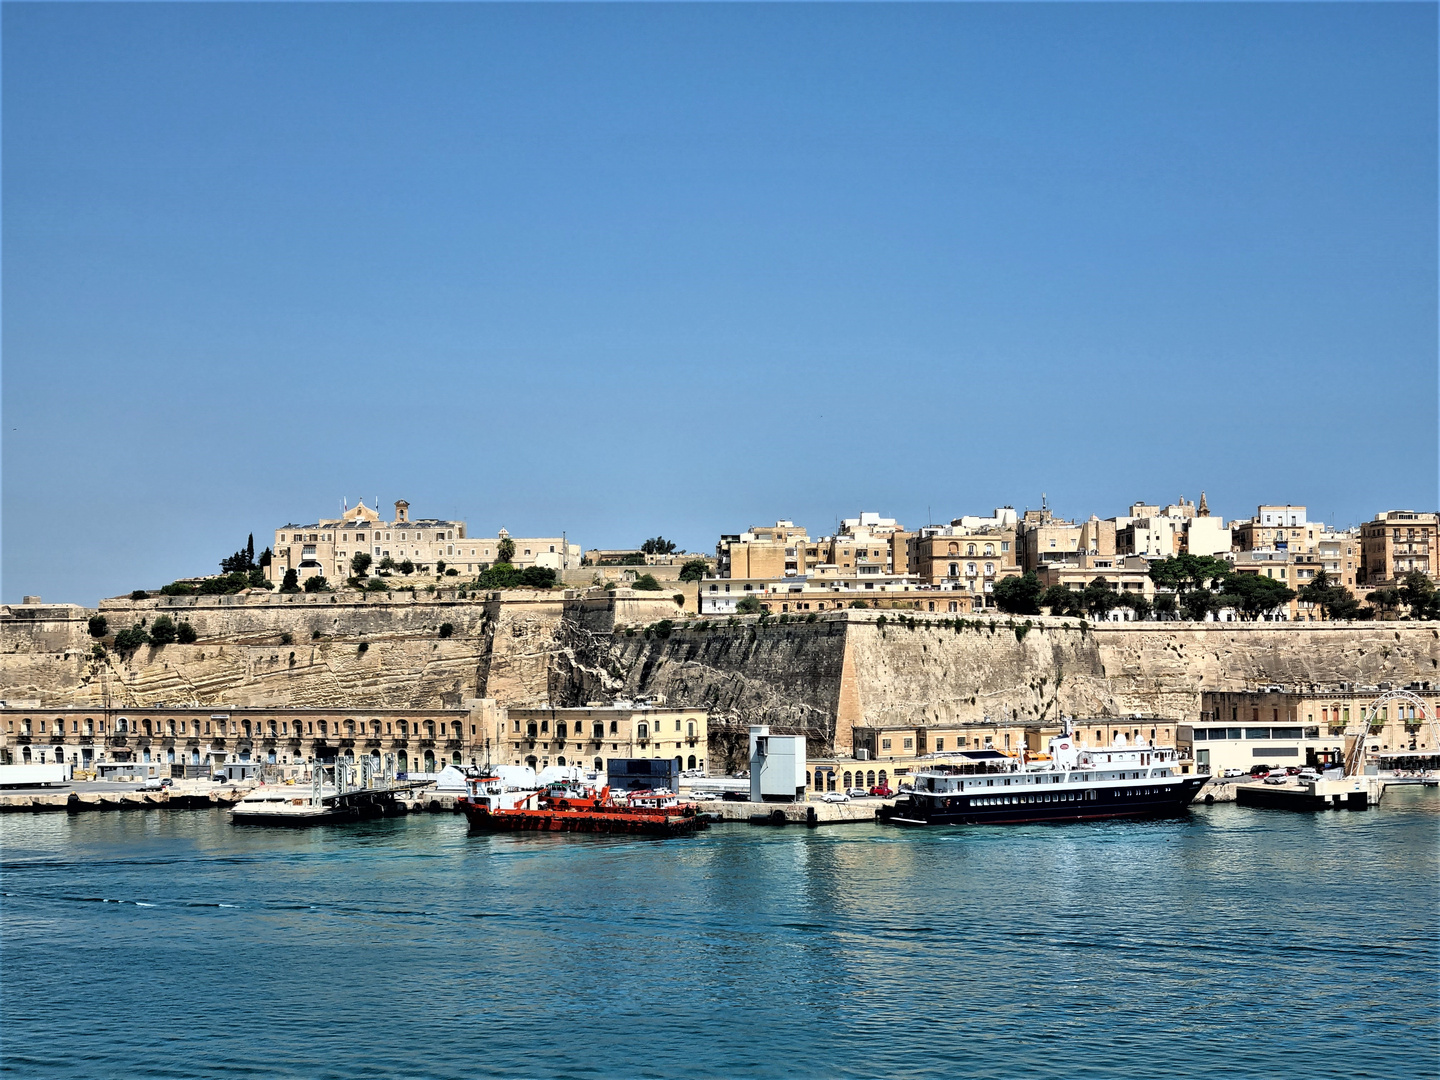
(402, 510)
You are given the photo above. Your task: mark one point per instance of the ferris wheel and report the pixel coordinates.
(1420, 712)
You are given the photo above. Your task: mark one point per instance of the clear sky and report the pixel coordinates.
(620, 270)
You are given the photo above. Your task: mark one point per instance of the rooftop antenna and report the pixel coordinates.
(1043, 504)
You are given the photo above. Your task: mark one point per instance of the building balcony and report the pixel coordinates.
(453, 744)
(114, 740)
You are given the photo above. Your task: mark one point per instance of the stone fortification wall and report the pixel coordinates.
(822, 678)
(818, 678)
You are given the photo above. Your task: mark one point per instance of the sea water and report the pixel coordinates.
(1231, 942)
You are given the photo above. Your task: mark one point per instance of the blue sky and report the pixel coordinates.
(620, 270)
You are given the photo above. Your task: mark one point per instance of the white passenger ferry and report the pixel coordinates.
(988, 787)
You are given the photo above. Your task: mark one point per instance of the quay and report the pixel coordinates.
(1348, 793)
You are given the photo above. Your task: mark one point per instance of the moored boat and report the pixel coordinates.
(575, 808)
(1126, 780)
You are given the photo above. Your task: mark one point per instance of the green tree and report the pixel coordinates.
(185, 634)
(1417, 592)
(854, 604)
(1334, 599)
(439, 567)
(291, 582)
(407, 567)
(1254, 594)
(99, 626)
(256, 579)
(749, 605)
(446, 629)
(127, 641)
(505, 550)
(316, 584)
(178, 588)
(658, 545)
(360, 564)
(1061, 600)
(1195, 604)
(537, 577)
(1165, 604)
(162, 631)
(139, 594)
(387, 563)
(250, 550)
(375, 584)
(646, 583)
(694, 570)
(1100, 597)
(1019, 595)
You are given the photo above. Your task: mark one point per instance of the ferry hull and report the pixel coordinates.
(1139, 801)
(482, 819)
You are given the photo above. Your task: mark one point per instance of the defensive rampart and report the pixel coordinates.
(569, 648)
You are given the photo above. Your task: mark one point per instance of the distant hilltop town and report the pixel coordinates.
(1153, 562)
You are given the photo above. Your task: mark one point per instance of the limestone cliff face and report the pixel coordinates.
(818, 678)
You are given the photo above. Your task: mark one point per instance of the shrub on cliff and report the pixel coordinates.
(407, 566)
(646, 583)
(376, 585)
(163, 632)
(748, 605)
(139, 594)
(99, 626)
(694, 570)
(316, 584)
(360, 564)
(859, 605)
(446, 629)
(178, 588)
(127, 641)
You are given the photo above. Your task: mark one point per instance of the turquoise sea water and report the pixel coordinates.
(1231, 943)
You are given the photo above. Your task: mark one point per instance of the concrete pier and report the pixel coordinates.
(1349, 793)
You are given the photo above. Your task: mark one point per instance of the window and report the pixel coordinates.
(940, 744)
(884, 744)
(909, 743)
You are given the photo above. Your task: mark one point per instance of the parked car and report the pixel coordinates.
(882, 790)
(1292, 770)
(1227, 773)
(219, 778)
(834, 796)
(167, 782)
(152, 783)
(1278, 777)
(1259, 771)
(1307, 775)
(856, 792)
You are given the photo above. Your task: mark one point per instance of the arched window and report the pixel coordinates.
(882, 778)
(870, 778)
(350, 728)
(170, 728)
(989, 549)
(430, 728)
(531, 729)
(953, 549)
(970, 568)
(970, 549)
(562, 730)
(599, 764)
(848, 778)
(642, 731)
(614, 727)
(690, 729)
(145, 726)
(324, 729)
(404, 727)
(599, 732)
(691, 764)
(954, 569)
(560, 761)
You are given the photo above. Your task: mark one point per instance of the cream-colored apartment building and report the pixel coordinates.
(327, 547)
(589, 737)
(1395, 543)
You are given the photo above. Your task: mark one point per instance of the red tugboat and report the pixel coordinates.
(570, 808)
